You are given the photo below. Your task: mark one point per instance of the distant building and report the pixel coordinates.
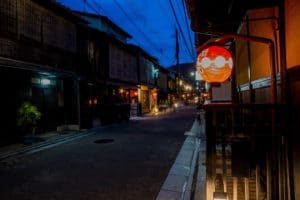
(107, 65)
(110, 66)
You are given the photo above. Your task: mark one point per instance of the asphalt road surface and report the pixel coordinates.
(120, 162)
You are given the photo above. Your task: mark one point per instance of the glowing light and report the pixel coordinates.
(95, 101)
(45, 81)
(220, 61)
(188, 87)
(215, 64)
(206, 62)
(205, 94)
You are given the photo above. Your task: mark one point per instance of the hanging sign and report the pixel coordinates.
(214, 64)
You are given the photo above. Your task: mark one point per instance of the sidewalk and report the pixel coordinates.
(187, 177)
(42, 141)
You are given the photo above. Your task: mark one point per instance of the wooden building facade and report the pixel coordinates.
(37, 56)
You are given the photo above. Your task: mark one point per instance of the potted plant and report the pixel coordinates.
(27, 118)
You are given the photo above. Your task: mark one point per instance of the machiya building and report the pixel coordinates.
(109, 66)
(65, 62)
(37, 63)
(252, 150)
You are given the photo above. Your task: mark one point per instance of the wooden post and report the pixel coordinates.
(269, 177)
(257, 185)
(247, 194)
(234, 188)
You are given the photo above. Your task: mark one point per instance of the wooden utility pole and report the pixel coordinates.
(177, 64)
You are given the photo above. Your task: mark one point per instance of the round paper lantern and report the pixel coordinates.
(215, 64)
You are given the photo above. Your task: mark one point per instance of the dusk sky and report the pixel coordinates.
(151, 23)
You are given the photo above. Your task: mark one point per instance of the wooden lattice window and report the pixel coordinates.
(8, 16)
(32, 21)
(7, 48)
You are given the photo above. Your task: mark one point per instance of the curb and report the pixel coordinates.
(187, 177)
(179, 182)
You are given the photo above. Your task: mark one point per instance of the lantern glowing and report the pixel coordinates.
(215, 64)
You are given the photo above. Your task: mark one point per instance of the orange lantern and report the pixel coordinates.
(215, 64)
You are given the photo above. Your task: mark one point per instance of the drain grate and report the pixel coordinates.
(104, 141)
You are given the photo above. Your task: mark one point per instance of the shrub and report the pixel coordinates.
(27, 117)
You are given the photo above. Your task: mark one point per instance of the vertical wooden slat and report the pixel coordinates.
(247, 194)
(269, 178)
(257, 177)
(235, 185)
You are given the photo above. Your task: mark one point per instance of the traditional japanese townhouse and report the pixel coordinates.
(108, 65)
(252, 143)
(147, 76)
(172, 87)
(162, 84)
(37, 63)
(111, 66)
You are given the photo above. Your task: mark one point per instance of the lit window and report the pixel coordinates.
(45, 81)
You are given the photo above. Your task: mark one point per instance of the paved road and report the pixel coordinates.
(132, 164)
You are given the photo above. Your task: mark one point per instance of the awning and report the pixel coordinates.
(38, 68)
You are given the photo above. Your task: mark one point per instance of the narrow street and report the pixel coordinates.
(123, 161)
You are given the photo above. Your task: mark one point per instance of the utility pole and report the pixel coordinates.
(177, 63)
(177, 52)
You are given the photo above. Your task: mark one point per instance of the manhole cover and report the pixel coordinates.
(103, 141)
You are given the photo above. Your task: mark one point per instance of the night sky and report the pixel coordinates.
(151, 23)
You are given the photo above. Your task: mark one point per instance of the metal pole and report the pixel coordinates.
(78, 103)
(251, 92)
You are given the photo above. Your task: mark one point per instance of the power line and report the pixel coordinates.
(169, 19)
(158, 49)
(91, 7)
(141, 44)
(182, 33)
(186, 21)
(180, 29)
(186, 49)
(137, 27)
(185, 17)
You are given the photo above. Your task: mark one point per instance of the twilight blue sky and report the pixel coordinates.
(151, 23)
